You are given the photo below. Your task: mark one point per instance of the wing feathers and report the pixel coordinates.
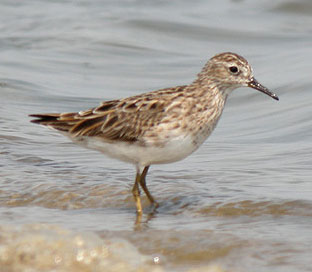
(124, 120)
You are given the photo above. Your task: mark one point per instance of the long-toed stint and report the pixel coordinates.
(158, 127)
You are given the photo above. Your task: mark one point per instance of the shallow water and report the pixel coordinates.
(242, 202)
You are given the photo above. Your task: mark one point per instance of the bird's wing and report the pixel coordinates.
(125, 120)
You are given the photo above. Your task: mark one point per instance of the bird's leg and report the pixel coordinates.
(136, 193)
(144, 187)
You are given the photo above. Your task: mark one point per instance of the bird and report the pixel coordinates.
(161, 126)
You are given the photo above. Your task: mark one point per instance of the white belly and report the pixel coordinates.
(176, 149)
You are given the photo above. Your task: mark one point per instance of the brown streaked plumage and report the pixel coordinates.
(161, 126)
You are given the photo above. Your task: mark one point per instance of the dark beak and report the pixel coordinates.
(256, 85)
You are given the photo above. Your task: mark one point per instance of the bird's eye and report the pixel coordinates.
(233, 69)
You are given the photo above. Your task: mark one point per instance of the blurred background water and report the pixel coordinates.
(242, 202)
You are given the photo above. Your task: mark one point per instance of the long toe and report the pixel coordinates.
(155, 205)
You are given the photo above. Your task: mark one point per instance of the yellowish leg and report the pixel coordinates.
(144, 187)
(136, 193)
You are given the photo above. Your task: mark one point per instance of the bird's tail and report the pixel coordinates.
(62, 122)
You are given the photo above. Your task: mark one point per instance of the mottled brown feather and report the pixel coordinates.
(125, 120)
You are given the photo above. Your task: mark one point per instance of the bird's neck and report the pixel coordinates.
(210, 88)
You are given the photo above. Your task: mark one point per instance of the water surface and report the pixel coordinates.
(242, 202)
